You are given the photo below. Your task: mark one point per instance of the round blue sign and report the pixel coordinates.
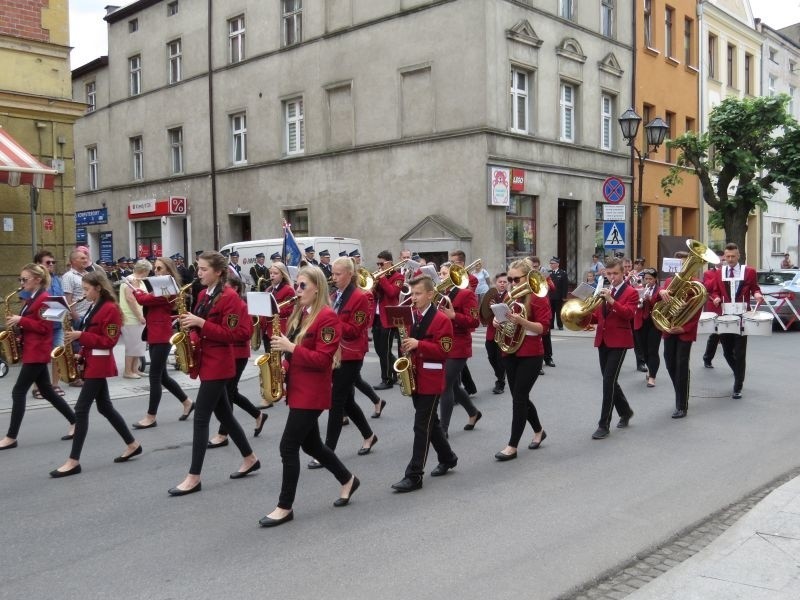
(613, 190)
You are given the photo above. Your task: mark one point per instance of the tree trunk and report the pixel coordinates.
(736, 230)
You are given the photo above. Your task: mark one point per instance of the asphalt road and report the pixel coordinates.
(535, 527)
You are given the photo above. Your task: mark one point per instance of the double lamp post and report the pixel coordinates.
(655, 132)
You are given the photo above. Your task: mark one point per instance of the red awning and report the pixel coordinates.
(17, 166)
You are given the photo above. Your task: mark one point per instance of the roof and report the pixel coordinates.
(18, 166)
(97, 63)
(130, 9)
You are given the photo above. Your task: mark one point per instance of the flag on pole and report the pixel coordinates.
(291, 251)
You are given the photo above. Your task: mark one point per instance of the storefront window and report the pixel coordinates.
(520, 227)
(664, 220)
(148, 238)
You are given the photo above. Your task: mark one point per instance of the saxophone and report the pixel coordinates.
(9, 345)
(64, 358)
(270, 370)
(404, 366)
(184, 348)
(255, 337)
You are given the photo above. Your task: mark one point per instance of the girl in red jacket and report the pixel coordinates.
(97, 334)
(37, 341)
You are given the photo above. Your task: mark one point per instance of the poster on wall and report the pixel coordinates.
(107, 246)
(499, 186)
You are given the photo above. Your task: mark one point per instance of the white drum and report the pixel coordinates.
(729, 324)
(734, 308)
(707, 323)
(756, 322)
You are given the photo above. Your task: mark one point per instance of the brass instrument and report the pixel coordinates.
(270, 370)
(577, 314)
(261, 280)
(64, 359)
(686, 297)
(184, 348)
(475, 265)
(457, 277)
(255, 337)
(9, 345)
(364, 279)
(404, 366)
(508, 335)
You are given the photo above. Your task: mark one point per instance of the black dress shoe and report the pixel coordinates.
(140, 426)
(735, 396)
(541, 371)
(218, 444)
(257, 430)
(365, 451)
(345, 501)
(534, 445)
(377, 414)
(498, 389)
(679, 414)
(503, 457)
(549, 362)
(12, 445)
(314, 464)
(127, 457)
(179, 492)
(383, 385)
(345, 421)
(267, 522)
(600, 434)
(471, 426)
(643, 368)
(254, 467)
(69, 436)
(707, 364)
(407, 485)
(442, 469)
(186, 416)
(73, 471)
(623, 421)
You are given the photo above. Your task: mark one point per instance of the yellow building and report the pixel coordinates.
(36, 109)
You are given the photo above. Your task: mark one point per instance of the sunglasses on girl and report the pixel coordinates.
(23, 279)
(515, 279)
(301, 285)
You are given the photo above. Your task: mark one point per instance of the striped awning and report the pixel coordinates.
(17, 166)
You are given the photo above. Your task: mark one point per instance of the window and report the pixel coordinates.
(292, 22)
(567, 112)
(607, 18)
(91, 96)
(777, 235)
(792, 67)
(137, 158)
(520, 227)
(731, 65)
(748, 74)
(607, 122)
(91, 158)
(792, 91)
(236, 39)
(647, 115)
(239, 138)
(519, 101)
(688, 41)
(172, 8)
(648, 23)
(664, 220)
(689, 124)
(712, 56)
(669, 18)
(133, 25)
(174, 58)
(669, 118)
(175, 137)
(773, 55)
(295, 134)
(298, 219)
(135, 72)
(771, 81)
(565, 9)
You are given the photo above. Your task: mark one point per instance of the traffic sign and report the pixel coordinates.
(613, 190)
(614, 235)
(613, 212)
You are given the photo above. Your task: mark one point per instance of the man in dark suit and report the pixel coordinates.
(234, 262)
(325, 265)
(259, 271)
(743, 282)
(310, 256)
(559, 292)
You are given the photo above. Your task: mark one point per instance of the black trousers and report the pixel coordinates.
(467, 381)
(366, 389)
(555, 305)
(711, 347)
(383, 338)
(676, 357)
(302, 431)
(522, 374)
(96, 390)
(236, 397)
(29, 374)
(734, 349)
(649, 341)
(548, 346)
(427, 431)
(212, 397)
(159, 376)
(453, 392)
(495, 359)
(611, 360)
(343, 402)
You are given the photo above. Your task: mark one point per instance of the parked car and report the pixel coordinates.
(779, 296)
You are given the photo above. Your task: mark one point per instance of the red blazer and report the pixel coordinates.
(353, 318)
(283, 293)
(539, 311)
(223, 327)
(241, 349)
(614, 329)
(37, 334)
(690, 328)
(465, 303)
(643, 314)
(309, 373)
(431, 354)
(709, 280)
(159, 316)
(387, 291)
(100, 335)
(744, 289)
(490, 329)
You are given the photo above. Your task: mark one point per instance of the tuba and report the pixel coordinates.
(577, 314)
(64, 359)
(509, 336)
(686, 296)
(404, 366)
(9, 344)
(184, 348)
(270, 370)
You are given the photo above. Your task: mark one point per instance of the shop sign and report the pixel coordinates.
(96, 216)
(517, 180)
(107, 246)
(499, 186)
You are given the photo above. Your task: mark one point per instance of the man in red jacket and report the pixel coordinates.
(428, 343)
(387, 293)
(613, 337)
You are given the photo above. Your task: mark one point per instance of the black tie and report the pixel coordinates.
(730, 272)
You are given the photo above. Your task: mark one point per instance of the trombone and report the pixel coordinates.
(366, 280)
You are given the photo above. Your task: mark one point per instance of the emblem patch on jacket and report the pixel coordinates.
(400, 282)
(359, 317)
(328, 333)
(473, 312)
(112, 330)
(233, 321)
(446, 343)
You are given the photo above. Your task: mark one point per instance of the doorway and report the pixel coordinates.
(567, 243)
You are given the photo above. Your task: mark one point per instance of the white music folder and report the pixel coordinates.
(57, 308)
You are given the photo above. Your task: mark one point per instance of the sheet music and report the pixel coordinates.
(57, 308)
(500, 312)
(163, 285)
(260, 304)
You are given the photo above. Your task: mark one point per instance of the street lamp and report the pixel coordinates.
(655, 132)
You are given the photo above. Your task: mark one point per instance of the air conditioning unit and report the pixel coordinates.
(58, 164)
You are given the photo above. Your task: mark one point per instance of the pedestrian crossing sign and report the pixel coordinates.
(614, 234)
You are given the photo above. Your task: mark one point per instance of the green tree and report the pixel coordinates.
(751, 144)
